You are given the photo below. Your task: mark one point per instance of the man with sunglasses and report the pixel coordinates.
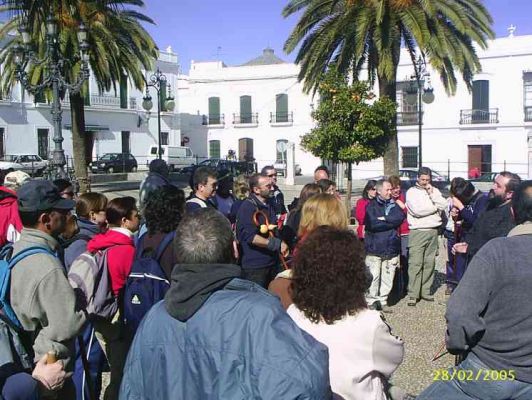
(205, 184)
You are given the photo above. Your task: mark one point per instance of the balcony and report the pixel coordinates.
(246, 120)
(469, 117)
(214, 120)
(528, 114)
(407, 118)
(108, 102)
(281, 118)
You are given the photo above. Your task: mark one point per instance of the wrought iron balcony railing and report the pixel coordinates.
(468, 117)
(246, 119)
(213, 119)
(281, 117)
(407, 118)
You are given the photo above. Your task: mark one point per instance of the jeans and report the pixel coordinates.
(476, 389)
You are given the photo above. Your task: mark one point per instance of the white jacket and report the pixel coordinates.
(362, 352)
(424, 209)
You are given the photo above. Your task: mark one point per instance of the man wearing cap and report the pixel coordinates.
(10, 224)
(41, 296)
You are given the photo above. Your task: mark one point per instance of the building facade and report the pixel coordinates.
(115, 119)
(246, 111)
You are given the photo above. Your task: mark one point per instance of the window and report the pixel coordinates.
(245, 149)
(410, 157)
(164, 138)
(527, 93)
(245, 110)
(123, 92)
(39, 97)
(125, 142)
(214, 149)
(280, 155)
(2, 143)
(42, 143)
(407, 113)
(214, 111)
(281, 107)
(481, 101)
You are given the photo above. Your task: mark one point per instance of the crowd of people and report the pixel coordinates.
(231, 294)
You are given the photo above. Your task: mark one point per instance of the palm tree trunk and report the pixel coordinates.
(81, 142)
(391, 155)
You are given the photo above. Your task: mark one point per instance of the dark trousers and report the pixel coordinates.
(456, 265)
(261, 276)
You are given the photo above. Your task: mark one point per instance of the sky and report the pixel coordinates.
(236, 31)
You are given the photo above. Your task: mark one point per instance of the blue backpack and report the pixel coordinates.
(146, 284)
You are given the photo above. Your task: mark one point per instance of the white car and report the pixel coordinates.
(31, 163)
(9, 166)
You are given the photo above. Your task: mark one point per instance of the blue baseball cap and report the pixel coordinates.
(41, 195)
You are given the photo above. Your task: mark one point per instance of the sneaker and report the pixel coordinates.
(411, 301)
(428, 298)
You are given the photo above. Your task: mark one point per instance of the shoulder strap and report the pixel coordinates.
(164, 244)
(139, 247)
(197, 201)
(29, 252)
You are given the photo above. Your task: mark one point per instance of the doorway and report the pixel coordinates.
(245, 149)
(479, 158)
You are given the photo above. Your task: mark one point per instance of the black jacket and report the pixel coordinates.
(383, 218)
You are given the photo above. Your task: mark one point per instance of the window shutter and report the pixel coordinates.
(214, 149)
(214, 110)
(245, 109)
(281, 108)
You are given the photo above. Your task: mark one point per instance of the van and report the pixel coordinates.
(176, 157)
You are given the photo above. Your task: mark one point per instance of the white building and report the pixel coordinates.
(234, 108)
(115, 119)
(247, 109)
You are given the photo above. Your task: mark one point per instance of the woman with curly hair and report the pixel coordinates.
(163, 211)
(328, 288)
(240, 192)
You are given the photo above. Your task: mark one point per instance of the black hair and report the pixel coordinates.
(265, 169)
(164, 209)
(322, 168)
(30, 219)
(62, 184)
(425, 171)
(371, 184)
(121, 207)
(201, 176)
(253, 181)
(462, 189)
(522, 203)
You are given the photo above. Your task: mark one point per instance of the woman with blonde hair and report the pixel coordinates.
(319, 210)
(241, 192)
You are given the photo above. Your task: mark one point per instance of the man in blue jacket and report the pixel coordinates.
(383, 244)
(216, 336)
(260, 251)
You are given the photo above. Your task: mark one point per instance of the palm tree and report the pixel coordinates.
(120, 48)
(368, 34)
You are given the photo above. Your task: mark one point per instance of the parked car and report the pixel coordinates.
(6, 165)
(177, 157)
(409, 178)
(235, 167)
(114, 162)
(485, 177)
(31, 163)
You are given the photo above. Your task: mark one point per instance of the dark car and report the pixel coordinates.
(485, 177)
(114, 162)
(234, 167)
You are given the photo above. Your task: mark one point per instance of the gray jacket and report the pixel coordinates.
(490, 312)
(43, 299)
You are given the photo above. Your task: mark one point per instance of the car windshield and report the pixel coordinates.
(109, 157)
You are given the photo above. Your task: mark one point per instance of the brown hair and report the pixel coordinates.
(88, 202)
(309, 190)
(329, 276)
(121, 207)
(322, 209)
(394, 181)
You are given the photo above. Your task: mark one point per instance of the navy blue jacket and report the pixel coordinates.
(239, 345)
(277, 201)
(253, 256)
(383, 218)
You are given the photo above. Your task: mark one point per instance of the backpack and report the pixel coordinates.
(146, 284)
(14, 356)
(89, 276)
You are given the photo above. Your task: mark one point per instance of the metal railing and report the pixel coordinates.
(244, 119)
(528, 114)
(213, 119)
(281, 117)
(106, 102)
(407, 118)
(468, 117)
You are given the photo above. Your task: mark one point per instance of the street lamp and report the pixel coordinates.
(159, 82)
(53, 62)
(419, 91)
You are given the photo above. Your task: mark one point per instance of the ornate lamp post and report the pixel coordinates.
(53, 63)
(159, 82)
(420, 90)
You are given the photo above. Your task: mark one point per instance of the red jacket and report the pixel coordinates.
(403, 229)
(119, 258)
(360, 215)
(10, 223)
